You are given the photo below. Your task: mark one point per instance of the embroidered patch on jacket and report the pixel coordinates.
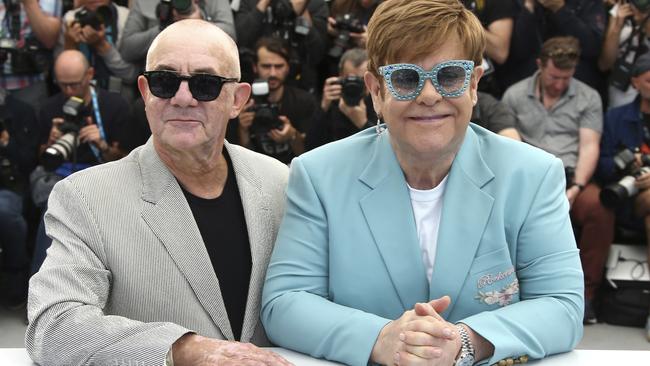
(502, 297)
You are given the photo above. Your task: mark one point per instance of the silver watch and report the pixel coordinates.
(466, 356)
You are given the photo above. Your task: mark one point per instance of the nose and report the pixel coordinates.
(183, 96)
(429, 95)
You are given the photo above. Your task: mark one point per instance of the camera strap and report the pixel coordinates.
(627, 45)
(100, 125)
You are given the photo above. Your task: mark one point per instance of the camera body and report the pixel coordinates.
(165, 10)
(352, 88)
(103, 15)
(64, 148)
(345, 24)
(266, 114)
(613, 195)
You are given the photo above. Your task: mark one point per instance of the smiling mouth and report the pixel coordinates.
(432, 118)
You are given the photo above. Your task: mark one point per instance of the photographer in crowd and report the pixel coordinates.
(29, 29)
(275, 120)
(563, 116)
(625, 40)
(627, 130)
(493, 114)
(540, 20)
(148, 17)
(345, 107)
(301, 24)
(96, 29)
(18, 147)
(77, 139)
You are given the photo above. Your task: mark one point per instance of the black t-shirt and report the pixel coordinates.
(299, 106)
(113, 109)
(222, 225)
(489, 11)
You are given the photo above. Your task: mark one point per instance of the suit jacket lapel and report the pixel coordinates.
(389, 214)
(170, 218)
(260, 235)
(465, 212)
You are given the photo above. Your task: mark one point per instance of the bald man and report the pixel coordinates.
(160, 257)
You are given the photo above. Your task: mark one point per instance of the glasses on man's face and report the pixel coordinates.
(204, 87)
(406, 81)
(70, 85)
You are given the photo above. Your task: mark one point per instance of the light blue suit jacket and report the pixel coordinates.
(347, 258)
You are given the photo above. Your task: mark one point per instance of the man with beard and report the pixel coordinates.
(274, 124)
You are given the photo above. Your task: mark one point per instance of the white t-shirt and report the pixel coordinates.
(427, 208)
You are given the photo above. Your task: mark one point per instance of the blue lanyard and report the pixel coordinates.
(100, 125)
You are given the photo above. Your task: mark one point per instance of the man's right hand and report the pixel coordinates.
(55, 133)
(72, 35)
(623, 11)
(262, 5)
(195, 350)
(422, 329)
(331, 92)
(246, 117)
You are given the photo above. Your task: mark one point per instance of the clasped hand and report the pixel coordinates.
(419, 337)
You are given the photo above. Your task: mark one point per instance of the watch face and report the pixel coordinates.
(465, 360)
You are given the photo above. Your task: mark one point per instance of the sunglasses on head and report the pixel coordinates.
(450, 78)
(204, 87)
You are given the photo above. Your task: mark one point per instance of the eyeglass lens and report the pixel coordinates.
(165, 84)
(450, 78)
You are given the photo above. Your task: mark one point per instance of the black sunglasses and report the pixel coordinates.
(204, 87)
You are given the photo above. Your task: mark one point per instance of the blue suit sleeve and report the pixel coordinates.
(548, 319)
(296, 310)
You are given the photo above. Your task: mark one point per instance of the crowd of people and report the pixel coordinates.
(83, 82)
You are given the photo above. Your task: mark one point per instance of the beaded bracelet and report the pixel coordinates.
(512, 361)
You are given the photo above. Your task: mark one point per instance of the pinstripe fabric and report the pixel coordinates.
(128, 273)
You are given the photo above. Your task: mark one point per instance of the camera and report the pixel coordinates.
(351, 90)
(63, 148)
(165, 10)
(282, 10)
(28, 57)
(345, 24)
(103, 15)
(613, 195)
(266, 114)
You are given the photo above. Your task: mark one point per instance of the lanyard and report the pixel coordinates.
(100, 125)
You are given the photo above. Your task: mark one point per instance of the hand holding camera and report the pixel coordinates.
(72, 35)
(331, 92)
(622, 10)
(247, 116)
(287, 133)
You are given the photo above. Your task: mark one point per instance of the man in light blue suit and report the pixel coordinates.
(427, 240)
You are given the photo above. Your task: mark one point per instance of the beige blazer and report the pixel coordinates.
(128, 273)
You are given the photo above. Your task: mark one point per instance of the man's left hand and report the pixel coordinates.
(571, 194)
(421, 348)
(286, 134)
(90, 134)
(357, 114)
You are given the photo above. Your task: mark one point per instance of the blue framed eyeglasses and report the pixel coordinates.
(450, 78)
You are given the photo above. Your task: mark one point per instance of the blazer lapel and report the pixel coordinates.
(170, 218)
(388, 212)
(465, 212)
(260, 235)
